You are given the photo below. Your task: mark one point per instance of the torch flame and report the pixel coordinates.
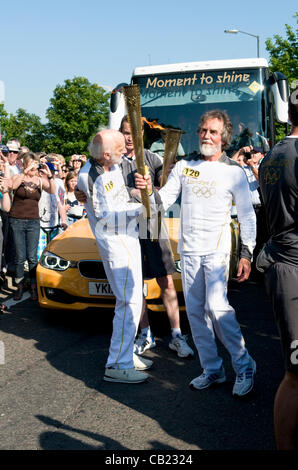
(153, 124)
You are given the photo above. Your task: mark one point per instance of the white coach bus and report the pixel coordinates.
(176, 95)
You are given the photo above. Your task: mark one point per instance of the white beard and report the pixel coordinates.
(208, 150)
(116, 160)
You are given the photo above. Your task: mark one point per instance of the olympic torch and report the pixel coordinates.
(171, 147)
(133, 107)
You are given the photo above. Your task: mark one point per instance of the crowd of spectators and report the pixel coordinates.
(37, 201)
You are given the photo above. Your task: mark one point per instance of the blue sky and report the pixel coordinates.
(43, 44)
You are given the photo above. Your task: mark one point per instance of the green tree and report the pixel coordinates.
(284, 58)
(284, 52)
(3, 117)
(24, 126)
(27, 128)
(77, 109)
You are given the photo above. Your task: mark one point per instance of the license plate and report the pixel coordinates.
(100, 288)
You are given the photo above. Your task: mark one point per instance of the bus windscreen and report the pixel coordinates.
(179, 99)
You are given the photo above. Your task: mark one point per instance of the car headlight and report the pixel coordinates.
(51, 261)
(178, 265)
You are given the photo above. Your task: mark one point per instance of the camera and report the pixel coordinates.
(4, 149)
(1, 174)
(248, 155)
(40, 166)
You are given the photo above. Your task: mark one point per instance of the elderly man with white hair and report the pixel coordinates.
(113, 221)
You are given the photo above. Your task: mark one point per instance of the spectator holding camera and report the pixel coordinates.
(249, 158)
(76, 163)
(24, 218)
(51, 207)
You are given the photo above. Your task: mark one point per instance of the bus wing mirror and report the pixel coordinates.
(117, 107)
(280, 90)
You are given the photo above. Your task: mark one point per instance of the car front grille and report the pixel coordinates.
(58, 295)
(92, 269)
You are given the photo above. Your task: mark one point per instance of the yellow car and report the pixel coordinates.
(70, 273)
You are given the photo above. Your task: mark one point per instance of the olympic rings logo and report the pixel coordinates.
(121, 195)
(272, 175)
(204, 191)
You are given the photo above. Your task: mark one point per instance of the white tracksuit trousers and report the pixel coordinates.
(124, 274)
(205, 290)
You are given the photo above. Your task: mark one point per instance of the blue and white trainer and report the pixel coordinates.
(206, 380)
(179, 344)
(244, 382)
(144, 342)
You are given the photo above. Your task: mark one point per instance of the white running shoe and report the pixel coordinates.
(130, 376)
(244, 382)
(144, 342)
(206, 380)
(141, 363)
(181, 347)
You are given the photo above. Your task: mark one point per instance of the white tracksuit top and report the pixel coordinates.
(208, 189)
(110, 215)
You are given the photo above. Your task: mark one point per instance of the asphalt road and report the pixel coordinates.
(53, 396)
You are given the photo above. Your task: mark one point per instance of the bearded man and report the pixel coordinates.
(208, 184)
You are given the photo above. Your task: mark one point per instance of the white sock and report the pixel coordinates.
(175, 332)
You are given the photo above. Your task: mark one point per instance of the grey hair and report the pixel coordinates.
(95, 149)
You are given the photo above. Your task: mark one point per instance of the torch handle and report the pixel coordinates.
(133, 107)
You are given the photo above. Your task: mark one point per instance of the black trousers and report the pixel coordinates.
(281, 282)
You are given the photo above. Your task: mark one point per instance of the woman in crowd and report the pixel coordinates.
(74, 209)
(76, 162)
(24, 217)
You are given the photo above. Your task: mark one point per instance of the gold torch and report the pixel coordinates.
(171, 147)
(133, 107)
